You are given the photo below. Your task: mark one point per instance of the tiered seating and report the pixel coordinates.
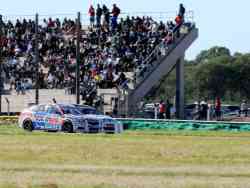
(109, 54)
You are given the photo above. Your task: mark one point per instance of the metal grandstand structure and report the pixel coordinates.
(127, 100)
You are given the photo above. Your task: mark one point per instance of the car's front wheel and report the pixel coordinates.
(67, 127)
(27, 125)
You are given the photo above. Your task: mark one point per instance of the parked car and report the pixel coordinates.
(99, 121)
(226, 111)
(229, 110)
(53, 117)
(147, 111)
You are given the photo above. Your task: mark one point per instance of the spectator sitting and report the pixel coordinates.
(169, 38)
(123, 81)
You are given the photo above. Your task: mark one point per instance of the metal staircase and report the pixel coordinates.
(159, 64)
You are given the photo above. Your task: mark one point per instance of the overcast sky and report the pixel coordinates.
(223, 22)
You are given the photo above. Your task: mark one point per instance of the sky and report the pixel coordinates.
(220, 22)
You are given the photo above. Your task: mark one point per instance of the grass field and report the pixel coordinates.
(134, 159)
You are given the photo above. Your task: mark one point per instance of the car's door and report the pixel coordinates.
(53, 120)
(39, 115)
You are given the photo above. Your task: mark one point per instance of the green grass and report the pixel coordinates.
(133, 159)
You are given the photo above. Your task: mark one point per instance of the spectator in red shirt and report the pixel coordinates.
(92, 15)
(162, 110)
(115, 12)
(51, 23)
(178, 20)
(218, 108)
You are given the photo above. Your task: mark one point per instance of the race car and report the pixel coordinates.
(53, 117)
(104, 123)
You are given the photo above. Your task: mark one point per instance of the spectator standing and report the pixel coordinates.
(204, 109)
(98, 15)
(106, 15)
(115, 14)
(197, 109)
(243, 108)
(218, 108)
(18, 86)
(1, 20)
(92, 15)
(162, 110)
(178, 20)
(168, 110)
(2, 25)
(182, 11)
(156, 111)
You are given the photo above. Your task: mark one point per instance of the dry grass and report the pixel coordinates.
(135, 159)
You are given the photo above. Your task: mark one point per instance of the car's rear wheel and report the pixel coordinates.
(67, 127)
(27, 125)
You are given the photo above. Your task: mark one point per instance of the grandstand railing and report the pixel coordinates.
(158, 16)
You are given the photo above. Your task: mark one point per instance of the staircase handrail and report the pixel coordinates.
(156, 50)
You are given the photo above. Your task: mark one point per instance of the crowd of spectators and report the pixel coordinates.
(110, 47)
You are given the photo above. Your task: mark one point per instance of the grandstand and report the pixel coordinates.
(119, 64)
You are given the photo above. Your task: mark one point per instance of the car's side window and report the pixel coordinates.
(41, 108)
(34, 108)
(53, 110)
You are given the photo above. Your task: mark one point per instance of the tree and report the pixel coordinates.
(213, 52)
(214, 72)
(211, 80)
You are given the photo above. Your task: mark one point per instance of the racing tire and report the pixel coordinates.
(27, 126)
(67, 127)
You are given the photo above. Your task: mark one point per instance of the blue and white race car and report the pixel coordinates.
(99, 121)
(53, 117)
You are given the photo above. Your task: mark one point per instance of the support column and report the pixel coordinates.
(78, 24)
(180, 88)
(37, 60)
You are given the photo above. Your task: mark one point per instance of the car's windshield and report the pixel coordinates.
(69, 110)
